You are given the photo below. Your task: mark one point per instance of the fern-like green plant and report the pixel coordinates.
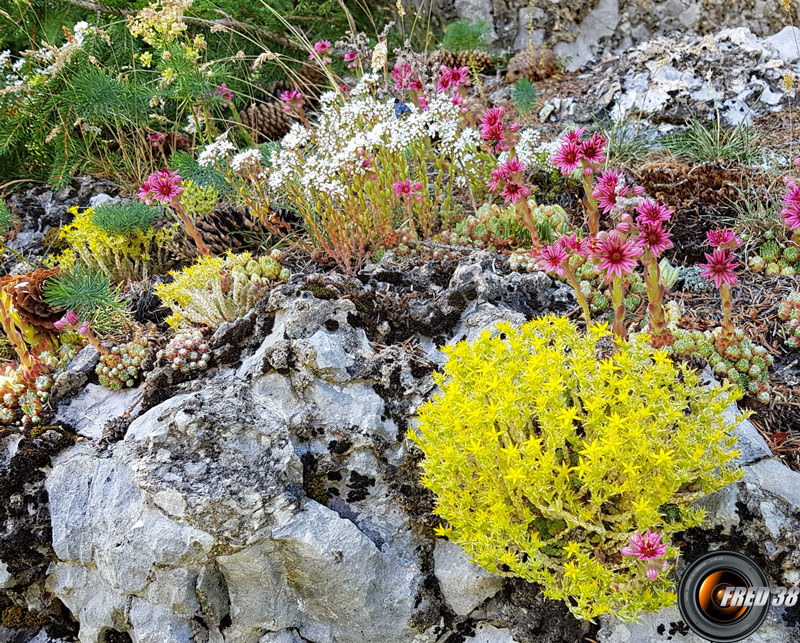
(524, 96)
(125, 218)
(188, 167)
(464, 35)
(88, 293)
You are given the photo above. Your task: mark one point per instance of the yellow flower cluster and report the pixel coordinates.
(546, 451)
(119, 256)
(218, 289)
(159, 22)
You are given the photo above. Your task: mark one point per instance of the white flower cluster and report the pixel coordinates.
(534, 150)
(249, 164)
(220, 149)
(349, 135)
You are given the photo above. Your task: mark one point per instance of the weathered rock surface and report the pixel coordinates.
(274, 500)
(673, 77)
(600, 28)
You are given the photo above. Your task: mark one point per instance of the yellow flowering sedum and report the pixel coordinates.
(119, 256)
(546, 453)
(218, 289)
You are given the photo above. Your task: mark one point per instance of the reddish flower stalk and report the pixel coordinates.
(589, 155)
(164, 187)
(720, 271)
(654, 239)
(616, 257)
(558, 258)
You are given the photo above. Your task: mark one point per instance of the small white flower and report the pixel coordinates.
(213, 152)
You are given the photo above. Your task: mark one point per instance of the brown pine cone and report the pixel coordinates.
(27, 296)
(535, 64)
(266, 121)
(224, 228)
(480, 60)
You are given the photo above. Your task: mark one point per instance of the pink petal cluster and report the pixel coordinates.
(452, 78)
(351, 58)
(574, 152)
(611, 186)
(551, 258)
(292, 100)
(222, 92)
(155, 139)
(68, 320)
(720, 267)
(653, 237)
(651, 211)
(791, 205)
(494, 129)
(614, 255)
(161, 187)
(404, 77)
(408, 190)
(507, 177)
(574, 245)
(723, 238)
(648, 547)
(71, 321)
(322, 49)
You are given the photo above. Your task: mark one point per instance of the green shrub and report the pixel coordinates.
(546, 455)
(464, 35)
(524, 96)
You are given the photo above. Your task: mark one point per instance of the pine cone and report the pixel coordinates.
(224, 228)
(266, 121)
(480, 59)
(26, 295)
(536, 64)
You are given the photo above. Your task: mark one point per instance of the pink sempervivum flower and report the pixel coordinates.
(404, 78)
(322, 48)
(646, 546)
(224, 93)
(607, 188)
(796, 163)
(654, 238)
(67, 321)
(592, 150)
(292, 100)
(351, 58)
(574, 245)
(161, 187)
(722, 238)
(567, 158)
(551, 258)
(493, 129)
(408, 190)
(651, 211)
(720, 268)
(493, 116)
(452, 77)
(155, 139)
(573, 136)
(615, 257)
(513, 191)
(791, 202)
